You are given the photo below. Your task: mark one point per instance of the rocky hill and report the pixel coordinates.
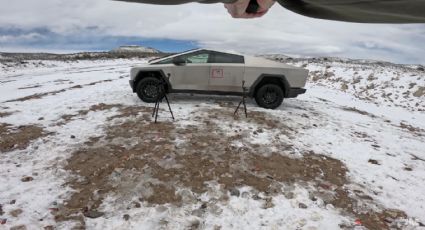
(382, 83)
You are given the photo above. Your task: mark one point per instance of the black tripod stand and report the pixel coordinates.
(162, 93)
(243, 101)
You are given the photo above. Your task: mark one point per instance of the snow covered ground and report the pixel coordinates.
(79, 149)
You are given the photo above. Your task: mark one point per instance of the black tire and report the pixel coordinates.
(269, 96)
(147, 89)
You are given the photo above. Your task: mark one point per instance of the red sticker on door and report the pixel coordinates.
(217, 73)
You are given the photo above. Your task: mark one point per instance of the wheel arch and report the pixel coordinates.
(156, 73)
(270, 78)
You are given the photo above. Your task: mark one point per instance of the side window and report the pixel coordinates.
(198, 58)
(166, 61)
(226, 58)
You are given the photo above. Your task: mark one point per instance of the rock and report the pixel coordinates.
(420, 92)
(49, 227)
(27, 179)
(72, 137)
(268, 203)
(235, 192)
(12, 202)
(344, 86)
(372, 161)
(195, 224)
(93, 214)
(3, 221)
(16, 212)
(126, 217)
(256, 197)
(245, 195)
(1, 210)
(19, 227)
(302, 205)
(198, 212)
(289, 195)
(204, 206)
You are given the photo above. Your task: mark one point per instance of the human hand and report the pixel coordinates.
(238, 9)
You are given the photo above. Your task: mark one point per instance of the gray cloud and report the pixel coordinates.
(280, 31)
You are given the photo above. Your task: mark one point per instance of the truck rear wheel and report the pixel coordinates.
(269, 96)
(147, 89)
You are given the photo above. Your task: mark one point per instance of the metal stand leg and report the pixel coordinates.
(169, 107)
(161, 95)
(243, 101)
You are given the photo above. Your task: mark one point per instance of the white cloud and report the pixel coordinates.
(279, 31)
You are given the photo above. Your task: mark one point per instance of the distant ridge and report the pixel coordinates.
(135, 49)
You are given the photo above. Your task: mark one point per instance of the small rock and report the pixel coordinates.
(1, 210)
(408, 169)
(16, 212)
(12, 202)
(49, 227)
(41, 118)
(245, 195)
(302, 205)
(72, 137)
(268, 203)
(372, 161)
(3, 221)
(289, 195)
(195, 224)
(136, 204)
(126, 217)
(235, 192)
(392, 213)
(256, 197)
(204, 206)
(27, 179)
(93, 214)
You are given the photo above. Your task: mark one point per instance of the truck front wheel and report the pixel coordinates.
(269, 96)
(147, 89)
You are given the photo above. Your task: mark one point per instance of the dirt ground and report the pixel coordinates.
(18, 137)
(153, 156)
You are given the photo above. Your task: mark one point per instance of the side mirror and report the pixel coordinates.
(179, 61)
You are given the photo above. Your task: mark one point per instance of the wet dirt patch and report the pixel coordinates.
(156, 161)
(94, 108)
(5, 114)
(13, 138)
(31, 87)
(355, 110)
(413, 130)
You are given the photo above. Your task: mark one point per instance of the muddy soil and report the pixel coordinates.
(18, 137)
(136, 156)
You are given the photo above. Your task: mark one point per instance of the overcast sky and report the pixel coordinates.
(75, 25)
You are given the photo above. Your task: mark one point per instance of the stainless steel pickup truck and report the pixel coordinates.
(213, 72)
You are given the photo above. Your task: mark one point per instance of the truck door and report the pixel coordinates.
(194, 73)
(227, 72)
